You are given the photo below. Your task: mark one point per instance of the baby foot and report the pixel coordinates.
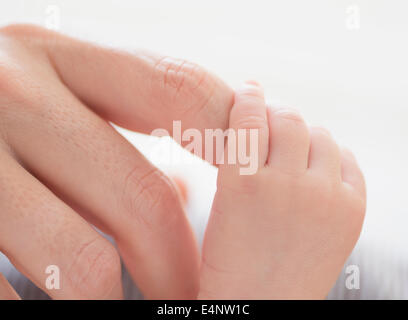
(285, 231)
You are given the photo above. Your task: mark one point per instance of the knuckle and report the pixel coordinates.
(180, 74)
(150, 198)
(184, 80)
(96, 269)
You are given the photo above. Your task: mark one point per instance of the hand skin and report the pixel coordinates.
(62, 166)
(7, 292)
(286, 231)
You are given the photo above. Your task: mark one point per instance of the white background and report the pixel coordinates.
(352, 81)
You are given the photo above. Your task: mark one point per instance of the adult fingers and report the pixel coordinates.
(44, 237)
(89, 165)
(139, 91)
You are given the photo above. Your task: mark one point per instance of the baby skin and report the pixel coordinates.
(286, 231)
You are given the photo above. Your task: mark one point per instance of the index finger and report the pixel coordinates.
(139, 91)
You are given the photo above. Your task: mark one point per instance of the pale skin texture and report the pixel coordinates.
(62, 165)
(285, 232)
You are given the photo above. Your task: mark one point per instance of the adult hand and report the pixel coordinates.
(62, 165)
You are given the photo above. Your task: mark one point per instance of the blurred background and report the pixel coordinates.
(343, 64)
